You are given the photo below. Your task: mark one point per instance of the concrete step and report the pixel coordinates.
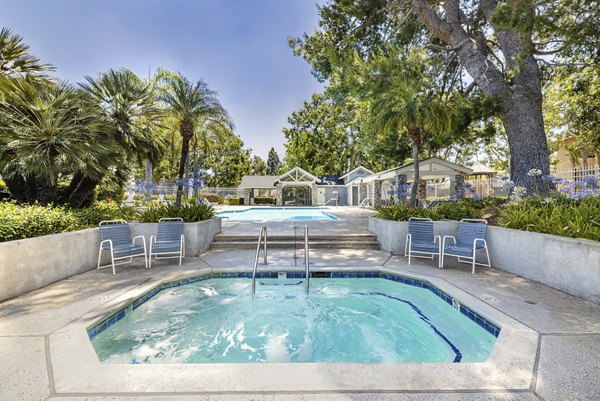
(316, 244)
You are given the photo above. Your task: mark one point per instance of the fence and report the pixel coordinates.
(577, 173)
(492, 186)
(140, 190)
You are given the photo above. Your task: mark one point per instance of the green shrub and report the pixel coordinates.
(467, 209)
(4, 193)
(234, 201)
(264, 201)
(92, 216)
(459, 210)
(188, 212)
(213, 198)
(560, 216)
(401, 213)
(18, 222)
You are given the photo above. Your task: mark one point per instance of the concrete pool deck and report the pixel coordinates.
(39, 358)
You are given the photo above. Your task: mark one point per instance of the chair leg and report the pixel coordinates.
(487, 254)
(112, 261)
(150, 260)
(474, 257)
(99, 257)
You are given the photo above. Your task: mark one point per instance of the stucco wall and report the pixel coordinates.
(564, 263)
(29, 264)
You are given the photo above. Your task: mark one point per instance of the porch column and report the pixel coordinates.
(376, 194)
(400, 182)
(457, 187)
(313, 195)
(247, 192)
(278, 194)
(422, 191)
(362, 192)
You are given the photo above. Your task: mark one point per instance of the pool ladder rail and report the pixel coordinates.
(263, 235)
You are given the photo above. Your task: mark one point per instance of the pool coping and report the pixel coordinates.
(509, 366)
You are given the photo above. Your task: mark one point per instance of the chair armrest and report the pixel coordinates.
(109, 241)
(480, 240)
(152, 239)
(446, 237)
(437, 240)
(139, 236)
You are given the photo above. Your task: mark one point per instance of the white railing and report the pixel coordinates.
(577, 173)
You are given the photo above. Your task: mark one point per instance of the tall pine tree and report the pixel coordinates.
(273, 162)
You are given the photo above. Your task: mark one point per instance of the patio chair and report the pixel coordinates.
(471, 237)
(116, 238)
(420, 241)
(169, 240)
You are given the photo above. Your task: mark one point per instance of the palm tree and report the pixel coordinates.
(408, 107)
(193, 105)
(130, 117)
(15, 58)
(48, 130)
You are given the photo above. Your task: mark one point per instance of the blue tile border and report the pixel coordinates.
(466, 311)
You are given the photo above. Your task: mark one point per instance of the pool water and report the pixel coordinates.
(341, 320)
(278, 213)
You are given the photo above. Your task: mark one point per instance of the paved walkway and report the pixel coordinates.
(567, 364)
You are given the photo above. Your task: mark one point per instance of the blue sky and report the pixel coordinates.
(238, 46)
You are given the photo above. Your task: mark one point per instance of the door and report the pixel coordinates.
(354, 196)
(320, 196)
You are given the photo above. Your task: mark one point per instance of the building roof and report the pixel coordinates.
(331, 180)
(258, 181)
(298, 175)
(429, 169)
(356, 169)
(482, 169)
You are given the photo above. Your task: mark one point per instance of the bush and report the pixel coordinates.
(18, 222)
(92, 216)
(558, 216)
(466, 209)
(189, 213)
(264, 201)
(235, 201)
(213, 198)
(4, 193)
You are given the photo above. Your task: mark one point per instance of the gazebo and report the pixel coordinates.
(432, 168)
(481, 171)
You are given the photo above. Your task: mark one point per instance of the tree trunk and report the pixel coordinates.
(524, 125)
(414, 199)
(196, 173)
(187, 131)
(79, 192)
(17, 186)
(148, 180)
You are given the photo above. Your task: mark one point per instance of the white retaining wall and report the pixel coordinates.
(568, 264)
(29, 264)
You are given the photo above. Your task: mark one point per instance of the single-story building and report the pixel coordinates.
(360, 186)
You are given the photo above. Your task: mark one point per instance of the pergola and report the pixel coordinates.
(432, 168)
(480, 171)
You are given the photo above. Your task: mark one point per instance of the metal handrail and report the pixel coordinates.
(306, 259)
(260, 237)
(332, 199)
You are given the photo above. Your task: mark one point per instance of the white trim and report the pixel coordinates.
(356, 169)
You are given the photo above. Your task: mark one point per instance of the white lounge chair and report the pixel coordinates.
(169, 240)
(471, 237)
(364, 202)
(116, 238)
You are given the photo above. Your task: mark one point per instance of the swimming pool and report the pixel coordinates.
(373, 318)
(278, 213)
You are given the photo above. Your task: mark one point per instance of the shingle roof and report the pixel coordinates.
(258, 181)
